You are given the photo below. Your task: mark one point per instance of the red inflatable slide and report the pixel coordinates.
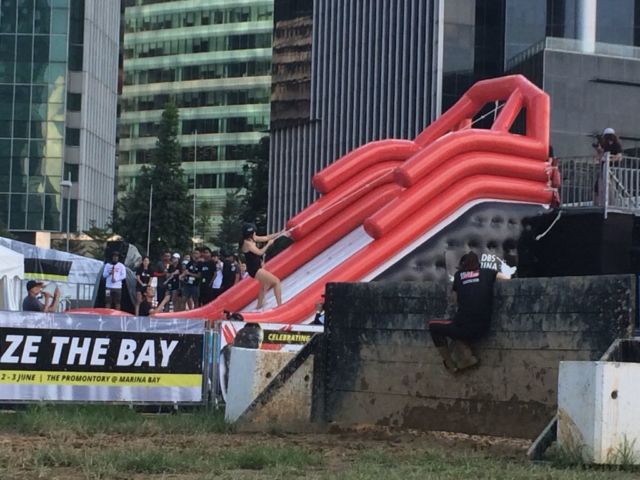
(386, 198)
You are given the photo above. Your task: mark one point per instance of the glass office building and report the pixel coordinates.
(213, 58)
(57, 112)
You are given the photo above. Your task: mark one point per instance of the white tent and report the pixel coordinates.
(11, 274)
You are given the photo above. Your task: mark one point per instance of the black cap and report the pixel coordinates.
(248, 229)
(33, 283)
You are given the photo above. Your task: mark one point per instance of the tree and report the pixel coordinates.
(256, 173)
(203, 219)
(99, 236)
(171, 214)
(231, 226)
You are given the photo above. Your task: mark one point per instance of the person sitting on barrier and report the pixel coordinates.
(146, 307)
(609, 143)
(253, 258)
(473, 287)
(31, 302)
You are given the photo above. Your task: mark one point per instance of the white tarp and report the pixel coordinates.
(75, 275)
(11, 273)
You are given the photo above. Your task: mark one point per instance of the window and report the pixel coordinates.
(72, 137)
(74, 102)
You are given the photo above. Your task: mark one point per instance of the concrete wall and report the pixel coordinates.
(378, 364)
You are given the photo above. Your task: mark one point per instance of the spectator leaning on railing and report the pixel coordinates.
(609, 143)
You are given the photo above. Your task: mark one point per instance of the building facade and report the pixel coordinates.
(365, 75)
(213, 59)
(58, 98)
(383, 69)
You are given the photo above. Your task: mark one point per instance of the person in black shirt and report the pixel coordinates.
(230, 271)
(146, 306)
(172, 283)
(207, 271)
(143, 278)
(191, 281)
(160, 272)
(609, 143)
(473, 287)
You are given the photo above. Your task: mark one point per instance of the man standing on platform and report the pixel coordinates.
(114, 272)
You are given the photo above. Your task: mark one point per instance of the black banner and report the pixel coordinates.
(96, 351)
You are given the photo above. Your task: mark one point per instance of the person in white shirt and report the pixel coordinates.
(114, 273)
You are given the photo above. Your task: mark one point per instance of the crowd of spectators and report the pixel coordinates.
(185, 281)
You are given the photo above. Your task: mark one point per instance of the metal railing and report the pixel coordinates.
(609, 182)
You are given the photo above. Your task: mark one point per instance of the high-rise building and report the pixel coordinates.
(348, 72)
(58, 98)
(213, 59)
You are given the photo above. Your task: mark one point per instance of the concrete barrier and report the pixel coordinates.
(598, 415)
(250, 371)
(379, 365)
(597, 406)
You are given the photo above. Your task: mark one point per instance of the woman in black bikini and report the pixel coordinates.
(253, 257)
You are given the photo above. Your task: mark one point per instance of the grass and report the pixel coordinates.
(116, 419)
(100, 443)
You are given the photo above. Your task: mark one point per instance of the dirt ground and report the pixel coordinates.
(338, 449)
(353, 453)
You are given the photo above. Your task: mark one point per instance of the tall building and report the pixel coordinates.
(58, 98)
(348, 72)
(213, 58)
(345, 73)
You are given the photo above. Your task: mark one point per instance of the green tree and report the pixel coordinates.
(231, 226)
(203, 219)
(99, 236)
(171, 214)
(256, 174)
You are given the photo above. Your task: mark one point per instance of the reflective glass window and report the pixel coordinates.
(7, 70)
(41, 48)
(42, 18)
(58, 48)
(74, 102)
(25, 16)
(615, 23)
(72, 137)
(59, 20)
(8, 48)
(52, 212)
(18, 209)
(8, 17)
(35, 212)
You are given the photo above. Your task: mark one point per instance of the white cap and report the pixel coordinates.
(176, 255)
(608, 131)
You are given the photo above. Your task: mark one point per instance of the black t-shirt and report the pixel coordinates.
(191, 267)
(144, 309)
(229, 270)
(144, 274)
(614, 148)
(174, 283)
(475, 296)
(208, 270)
